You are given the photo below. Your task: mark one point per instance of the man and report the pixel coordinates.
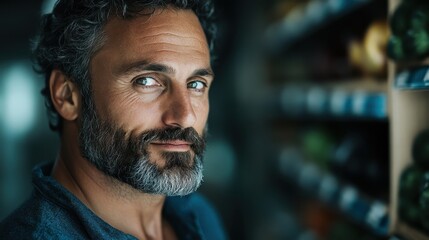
(127, 85)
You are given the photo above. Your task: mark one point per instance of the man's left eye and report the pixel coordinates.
(197, 85)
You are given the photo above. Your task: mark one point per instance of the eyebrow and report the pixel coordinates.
(203, 72)
(145, 65)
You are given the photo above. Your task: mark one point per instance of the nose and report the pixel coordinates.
(179, 111)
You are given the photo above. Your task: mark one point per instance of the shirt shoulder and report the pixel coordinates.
(205, 215)
(38, 219)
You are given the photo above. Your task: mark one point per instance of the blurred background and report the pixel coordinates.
(299, 130)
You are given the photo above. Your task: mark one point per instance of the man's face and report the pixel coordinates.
(146, 117)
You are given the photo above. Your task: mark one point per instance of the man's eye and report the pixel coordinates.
(147, 82)
(197, 85)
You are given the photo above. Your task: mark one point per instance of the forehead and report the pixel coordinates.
(164, 35)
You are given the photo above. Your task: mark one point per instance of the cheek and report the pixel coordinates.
(130, 111)
(201, 110)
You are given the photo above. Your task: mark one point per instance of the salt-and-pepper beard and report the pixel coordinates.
(124, 157)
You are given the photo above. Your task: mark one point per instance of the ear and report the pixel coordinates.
(64, 95)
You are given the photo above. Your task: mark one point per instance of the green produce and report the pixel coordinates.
(409, 193)
(424, 203)
(409, 211)
(400, 19)
(419, 19)
(410, 31)
(420, 149)
(395, 48)
(410, 182)
(416, 43)
(318, 146)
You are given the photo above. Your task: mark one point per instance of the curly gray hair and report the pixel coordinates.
(73, 32)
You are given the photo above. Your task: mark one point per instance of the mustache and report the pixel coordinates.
(190, 135)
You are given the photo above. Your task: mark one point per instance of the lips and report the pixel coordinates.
(175, 145)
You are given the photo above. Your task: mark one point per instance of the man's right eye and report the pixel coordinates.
(147, 82)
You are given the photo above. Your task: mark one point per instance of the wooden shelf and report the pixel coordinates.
(412, 64)
(408, 114)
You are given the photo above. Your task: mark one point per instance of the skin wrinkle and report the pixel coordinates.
(171, 34)
(167, 47)
(167, 50)
(163, 42)
(169, 41)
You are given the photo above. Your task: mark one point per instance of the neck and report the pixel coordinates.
(118, 204)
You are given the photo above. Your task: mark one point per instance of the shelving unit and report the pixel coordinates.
(341, 111)
(409, 114)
